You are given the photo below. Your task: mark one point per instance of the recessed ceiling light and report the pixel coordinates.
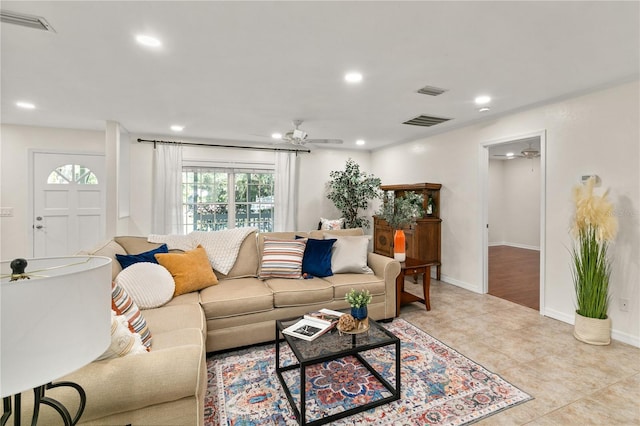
(510, 154)
(482, 100)
(25, 105)
(149, 41)
(484, 109)
(276, 135)
(360, 142)
(177, 128)
(353, 77)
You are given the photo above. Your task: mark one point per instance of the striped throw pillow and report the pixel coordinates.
(282, 258)
(122, 304)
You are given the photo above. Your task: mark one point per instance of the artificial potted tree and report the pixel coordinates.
(400, 212)
(593, 227)
(351, 190)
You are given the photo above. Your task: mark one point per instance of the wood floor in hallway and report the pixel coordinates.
(514, 275)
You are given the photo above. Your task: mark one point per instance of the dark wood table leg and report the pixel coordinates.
(426, 284)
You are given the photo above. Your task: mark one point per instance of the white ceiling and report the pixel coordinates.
(235, 72)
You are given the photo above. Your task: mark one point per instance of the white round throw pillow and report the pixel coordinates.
(149, 285)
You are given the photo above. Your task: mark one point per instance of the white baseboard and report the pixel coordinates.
(462, 284)
(560, 316)
(615, 334)
(522, 246)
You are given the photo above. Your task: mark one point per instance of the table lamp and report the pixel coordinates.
(55, 317)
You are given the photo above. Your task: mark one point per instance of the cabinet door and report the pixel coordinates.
(428, 240)
(383, 238)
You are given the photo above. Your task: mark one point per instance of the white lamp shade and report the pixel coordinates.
(55, 322)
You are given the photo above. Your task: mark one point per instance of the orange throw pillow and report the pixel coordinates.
(191, 270)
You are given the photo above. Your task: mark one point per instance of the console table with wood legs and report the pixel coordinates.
(413, 267)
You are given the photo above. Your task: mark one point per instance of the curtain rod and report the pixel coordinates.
(222, 146)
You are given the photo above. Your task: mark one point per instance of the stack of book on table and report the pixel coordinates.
(314, 324)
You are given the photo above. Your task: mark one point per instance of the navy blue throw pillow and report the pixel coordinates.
(148, 256)
(316, 260)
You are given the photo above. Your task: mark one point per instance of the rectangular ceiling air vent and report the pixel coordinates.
(432, 91)
(30, 21)
(426, 121)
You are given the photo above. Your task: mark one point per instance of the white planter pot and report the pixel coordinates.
(593, 331)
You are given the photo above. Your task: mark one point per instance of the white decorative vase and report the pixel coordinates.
(593, 331)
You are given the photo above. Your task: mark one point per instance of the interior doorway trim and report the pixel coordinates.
(484, 203)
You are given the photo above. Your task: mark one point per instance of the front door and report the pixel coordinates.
(68, 202)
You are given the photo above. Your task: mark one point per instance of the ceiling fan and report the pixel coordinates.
(300, 137)
(528, 153)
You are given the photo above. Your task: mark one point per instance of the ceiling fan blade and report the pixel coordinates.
(334, 141)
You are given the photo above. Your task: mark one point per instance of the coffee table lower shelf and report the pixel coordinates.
(356, 351)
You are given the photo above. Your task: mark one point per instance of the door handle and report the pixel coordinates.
(39, 226)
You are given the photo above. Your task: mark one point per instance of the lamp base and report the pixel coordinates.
(40, 398)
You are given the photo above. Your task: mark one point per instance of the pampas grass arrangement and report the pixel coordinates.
(593, 227)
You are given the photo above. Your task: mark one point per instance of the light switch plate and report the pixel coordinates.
(6, 211)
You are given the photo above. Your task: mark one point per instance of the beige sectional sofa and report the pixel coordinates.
(167, 385)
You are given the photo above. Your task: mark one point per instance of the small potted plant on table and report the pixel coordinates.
(358, 300)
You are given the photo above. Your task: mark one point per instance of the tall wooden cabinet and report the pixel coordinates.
(423, 238)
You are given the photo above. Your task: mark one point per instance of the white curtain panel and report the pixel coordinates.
(285, 192)
(167, 190)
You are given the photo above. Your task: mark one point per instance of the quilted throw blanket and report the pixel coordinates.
(222, 247)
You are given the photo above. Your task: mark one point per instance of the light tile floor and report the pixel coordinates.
(573, 383)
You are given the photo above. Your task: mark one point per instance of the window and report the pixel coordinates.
(72, 173)
(218, 198)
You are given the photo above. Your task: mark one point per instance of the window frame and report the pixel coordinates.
(232, 171)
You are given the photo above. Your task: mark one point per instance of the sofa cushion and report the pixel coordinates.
(150, 285)
(282, 258)
(300, 292)
(246, 262)
(135, 245)
(342, 283)
(239, 296)
(174, 317)
(186, 299)
(107, 249)
(123, 304)
(280, 236)
(223, 246)
(147, 256)
(349, 254)
(355, 232)
(190, 270)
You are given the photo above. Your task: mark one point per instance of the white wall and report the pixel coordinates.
(314, 175)
(15, 145)
(514, 202)
(496, 202)
(522, 202)
(595, 133)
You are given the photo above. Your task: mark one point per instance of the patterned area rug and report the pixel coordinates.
(439, 386)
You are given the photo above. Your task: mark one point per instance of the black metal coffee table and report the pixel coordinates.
(333, 346)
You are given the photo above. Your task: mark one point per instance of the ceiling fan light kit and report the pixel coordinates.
(299, 137)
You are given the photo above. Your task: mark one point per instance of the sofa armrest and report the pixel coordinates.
(388, 268)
